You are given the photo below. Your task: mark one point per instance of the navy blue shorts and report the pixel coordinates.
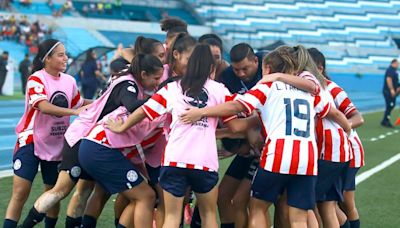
(108, 167)
(253, 168)
(70, 162)
(239, 167)
(268, 186)
(330, 181)
(350, 179)
(154, 174)
(177, 180)
(26, 165)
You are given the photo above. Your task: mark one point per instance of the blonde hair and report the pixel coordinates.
(292, 60)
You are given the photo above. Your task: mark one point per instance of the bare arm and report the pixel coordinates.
(100, 75)
(243, 124)
(50, 109)
(118, 126)
(355, 119)
(226, 109)
(339, 118)
(227, 133)
(298, 82)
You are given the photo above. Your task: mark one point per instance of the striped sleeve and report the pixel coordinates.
(321, 105)
(256, 97)
(36, 91)
(157, 104)
(77, 99)
(228, 97)
(341, 99)
(310, 77)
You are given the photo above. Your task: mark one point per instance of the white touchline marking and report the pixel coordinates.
(365, 175)
(382, 136)
(6, 173)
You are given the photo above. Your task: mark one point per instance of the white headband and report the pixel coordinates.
(51, 49)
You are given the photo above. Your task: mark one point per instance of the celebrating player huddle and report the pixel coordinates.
(151, 137)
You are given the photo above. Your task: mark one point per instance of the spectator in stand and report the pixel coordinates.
(23, 32)
(5, 4)
(92, 8)
(85, 10)
(67, 6)
(26, 3)
(100, 7)
(108, 8)
(50, 4)
(118, 4)
(24, 69)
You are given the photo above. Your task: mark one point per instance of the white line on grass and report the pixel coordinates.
(365, 175)
(382, 136)
(6, 173)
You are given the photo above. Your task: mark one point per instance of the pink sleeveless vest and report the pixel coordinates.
(87, 118)
(48, 130)
(134, 135)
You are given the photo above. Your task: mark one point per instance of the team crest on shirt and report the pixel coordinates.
(76, 171)
(132, 175)
(17, 164)
(38, 89)
(200, 101)
(59, 99)
(131, 89)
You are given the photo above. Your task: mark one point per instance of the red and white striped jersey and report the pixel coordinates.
(332, 140)
(346, 106)
(342, 101)
(357, 149)
(288, 116)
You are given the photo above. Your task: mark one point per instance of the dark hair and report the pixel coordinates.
(145, 45)
(213, 42)
(198, 71)
(181, 44)
(143, 62)
(5, 53)
(43, 48)
(89, 56)
(118, 65)
(240, 52)
(173, 26)
(319, 60)
(393, 61)
(211, 39)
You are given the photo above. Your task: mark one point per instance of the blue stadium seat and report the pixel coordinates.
(354, 24)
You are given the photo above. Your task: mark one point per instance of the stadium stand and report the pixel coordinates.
(134, 12)
(353, 34)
